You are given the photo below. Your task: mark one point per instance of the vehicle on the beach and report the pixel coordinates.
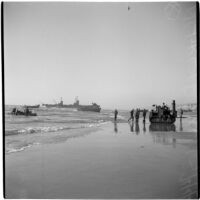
(94, 107)
(163, 114)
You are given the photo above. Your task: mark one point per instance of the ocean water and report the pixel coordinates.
(22, 132)
(52, 125)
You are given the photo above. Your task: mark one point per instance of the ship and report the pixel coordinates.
(163, 114)
(34, 106)
(94, 107)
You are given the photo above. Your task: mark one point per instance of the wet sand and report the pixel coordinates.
(116, 161)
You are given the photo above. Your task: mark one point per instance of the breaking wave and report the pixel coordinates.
(14, 150)
(32, 130)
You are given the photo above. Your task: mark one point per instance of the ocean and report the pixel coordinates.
(52, 125)
(22, 132)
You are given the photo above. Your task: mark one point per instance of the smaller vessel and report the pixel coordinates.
(163, 114)
(26, 112)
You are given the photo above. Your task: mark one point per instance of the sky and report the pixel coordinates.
(119, 55)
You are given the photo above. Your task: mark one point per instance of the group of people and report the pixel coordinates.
(133, 113)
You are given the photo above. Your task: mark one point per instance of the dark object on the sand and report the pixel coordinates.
(94, 107)
(163, 114)
(129, 7)
(162, 127)
(34, 106)
(27, 112)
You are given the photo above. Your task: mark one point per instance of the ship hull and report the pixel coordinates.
(36, 106)
(89, 108)
(23, 114)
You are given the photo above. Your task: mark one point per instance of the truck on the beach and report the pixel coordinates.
(163, 114)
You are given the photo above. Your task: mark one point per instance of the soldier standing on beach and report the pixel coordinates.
(144, 114)
(137, 114)
(181, 113)
(132, 115)
(116, 113)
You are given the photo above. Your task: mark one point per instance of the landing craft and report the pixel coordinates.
(163, 114)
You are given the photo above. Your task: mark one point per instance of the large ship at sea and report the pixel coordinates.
(94, 107)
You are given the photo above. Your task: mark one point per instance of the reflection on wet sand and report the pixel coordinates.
(181, 125)
(162, 127)
(131, 124)
(115, 127)
(160, 136)
(137, 128)
(164, 138)
(144, 127)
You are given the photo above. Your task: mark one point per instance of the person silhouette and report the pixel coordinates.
(144, 115)
(132, 115)
(116, 113)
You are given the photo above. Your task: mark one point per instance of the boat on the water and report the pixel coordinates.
(94, 107)
(61, 105)
(26, 112)
(163, 114)
(34, 106)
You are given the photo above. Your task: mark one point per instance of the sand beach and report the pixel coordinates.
(111, 161)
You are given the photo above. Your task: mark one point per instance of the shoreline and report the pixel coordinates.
(106, 164)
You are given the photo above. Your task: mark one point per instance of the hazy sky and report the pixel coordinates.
(100, 52)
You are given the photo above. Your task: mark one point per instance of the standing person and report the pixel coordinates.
(137, 115)
(144, 115)
(132, 115)
(116, 113)
(181, 113)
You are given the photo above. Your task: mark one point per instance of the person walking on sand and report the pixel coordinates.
(132, 115)
(144, 115)
(116, 113)
(137, 114)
